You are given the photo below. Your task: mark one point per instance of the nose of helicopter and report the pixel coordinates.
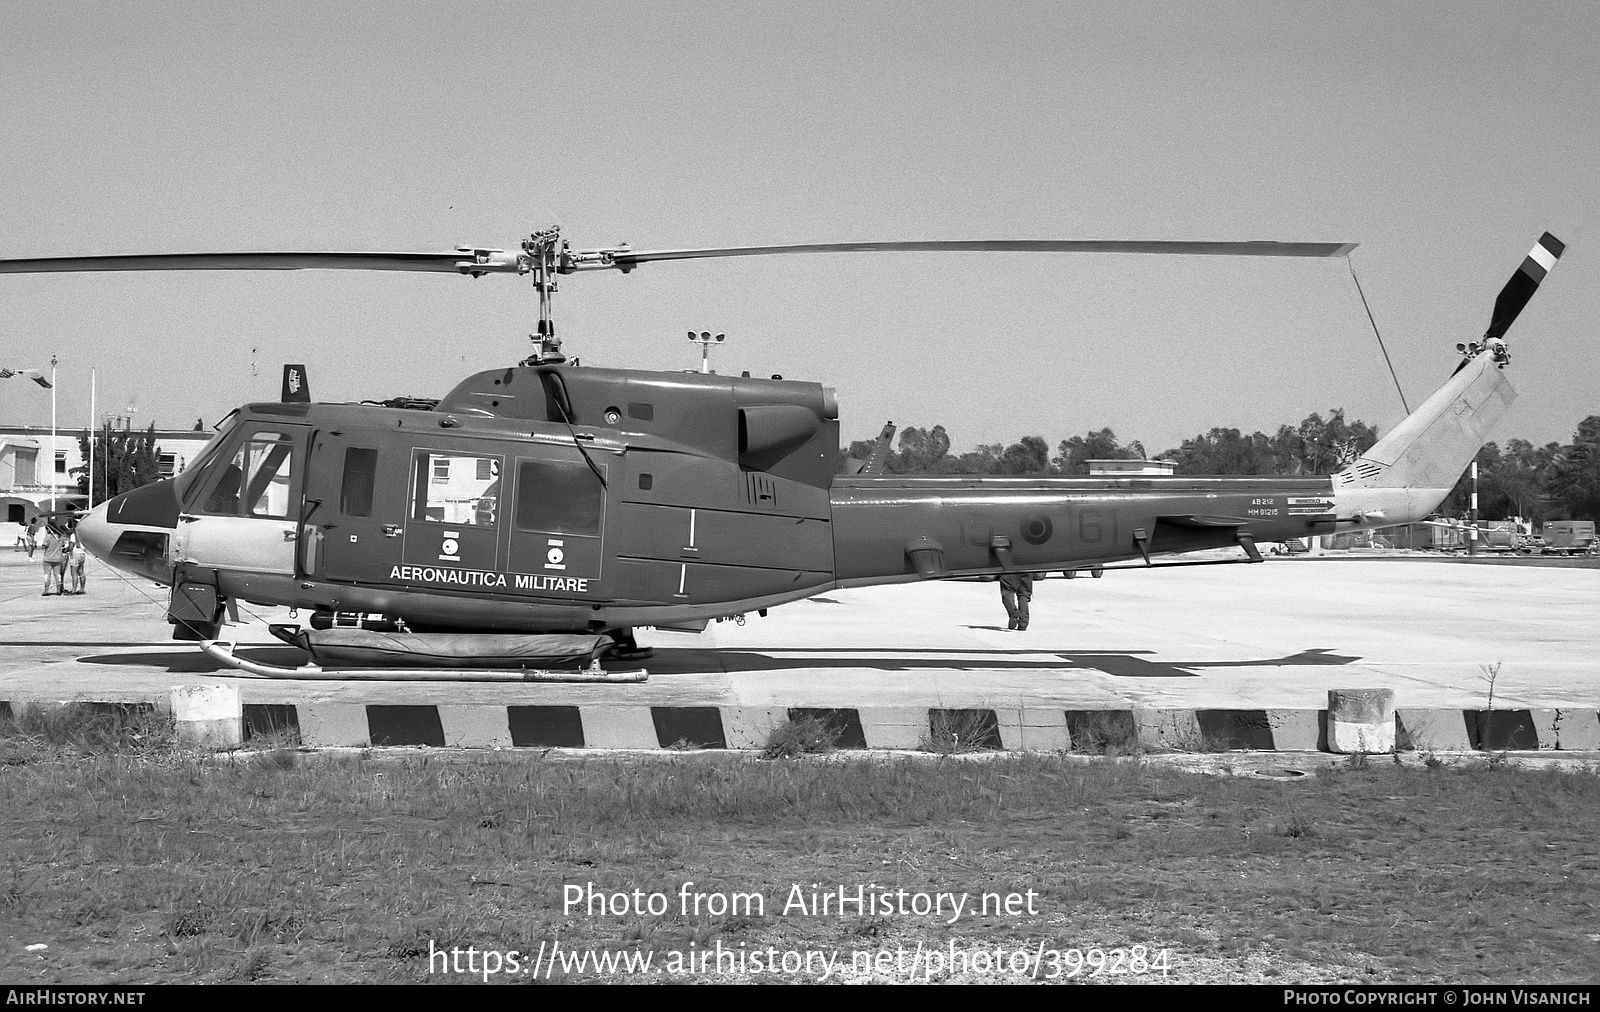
(97, 534)
(132, 531)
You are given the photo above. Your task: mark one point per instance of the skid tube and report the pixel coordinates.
(224, 653)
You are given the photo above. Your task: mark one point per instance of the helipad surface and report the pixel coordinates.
(1271, 637)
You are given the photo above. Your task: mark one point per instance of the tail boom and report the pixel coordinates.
(1408, 473)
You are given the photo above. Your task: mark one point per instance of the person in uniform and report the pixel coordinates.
(1016, 590)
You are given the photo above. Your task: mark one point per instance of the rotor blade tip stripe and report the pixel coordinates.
(1551, 243)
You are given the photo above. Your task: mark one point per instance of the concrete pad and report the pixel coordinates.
(618, 727)
(475, 726)
(1296, 730)
(1272, 638)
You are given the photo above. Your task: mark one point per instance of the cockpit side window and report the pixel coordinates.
(255, 480)
(207, 459)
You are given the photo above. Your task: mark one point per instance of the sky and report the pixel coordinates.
(1444, 138)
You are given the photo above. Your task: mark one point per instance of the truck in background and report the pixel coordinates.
(1567, 537)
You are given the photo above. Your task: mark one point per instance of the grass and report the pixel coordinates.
(149, 866)
(958, 732)
(804, 736)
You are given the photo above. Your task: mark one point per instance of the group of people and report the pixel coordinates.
(65, 558)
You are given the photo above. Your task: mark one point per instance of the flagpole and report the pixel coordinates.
(52, 424)
(91, 436)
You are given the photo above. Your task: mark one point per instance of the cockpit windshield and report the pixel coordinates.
(202, 461)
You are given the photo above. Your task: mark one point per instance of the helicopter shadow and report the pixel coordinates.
(1118, 664)
(692, 661)
(192, 662)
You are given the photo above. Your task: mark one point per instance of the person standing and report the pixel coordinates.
(77, 562)
(1016, 590)
(33, 534)
(54, 546)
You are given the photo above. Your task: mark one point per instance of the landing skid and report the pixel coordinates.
(224, 653)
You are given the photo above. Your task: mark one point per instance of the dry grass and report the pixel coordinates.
(135, 866)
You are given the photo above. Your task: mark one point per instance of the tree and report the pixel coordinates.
(1574, 473)
(1076, 451)
(922, 451)
(1316, 446)
(1224, 451)
(982, 459)
(1029, 456)
(123, 460)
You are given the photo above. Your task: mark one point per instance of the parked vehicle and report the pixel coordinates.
(1568, 537)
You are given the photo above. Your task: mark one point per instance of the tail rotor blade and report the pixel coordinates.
(1523, 284)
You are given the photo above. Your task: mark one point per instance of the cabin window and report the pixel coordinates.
(360, 474)
(456, 489)
(558, 497)
(255, 483)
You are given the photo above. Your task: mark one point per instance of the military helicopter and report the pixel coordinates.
(545, 510)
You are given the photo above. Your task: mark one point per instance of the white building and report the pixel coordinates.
(37, 476)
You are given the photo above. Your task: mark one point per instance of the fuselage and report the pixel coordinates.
(565, 499)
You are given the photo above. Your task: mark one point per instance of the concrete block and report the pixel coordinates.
(1234, 729)
(1037, 728)
(894, 726)
(750, 726)
(1432, 730)
(208, 716)
(1361, 720)
(1577, 730)
(1544, 727)
(1168, 729)
(1497, 730)
(1297, 730)
(618, 727)
(333, 724)
(475, 726)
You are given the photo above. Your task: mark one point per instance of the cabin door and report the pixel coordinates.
(354, 509)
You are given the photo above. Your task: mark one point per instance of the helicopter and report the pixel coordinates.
(546, 509)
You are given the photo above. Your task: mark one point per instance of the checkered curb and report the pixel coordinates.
(1035, 728)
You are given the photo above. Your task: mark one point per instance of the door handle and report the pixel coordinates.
(289, 535)
(392, 530)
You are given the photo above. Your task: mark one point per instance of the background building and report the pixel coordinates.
(37, 476)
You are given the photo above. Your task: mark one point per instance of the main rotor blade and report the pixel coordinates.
(1252, 249)
(458, 262)
(1515, 295)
